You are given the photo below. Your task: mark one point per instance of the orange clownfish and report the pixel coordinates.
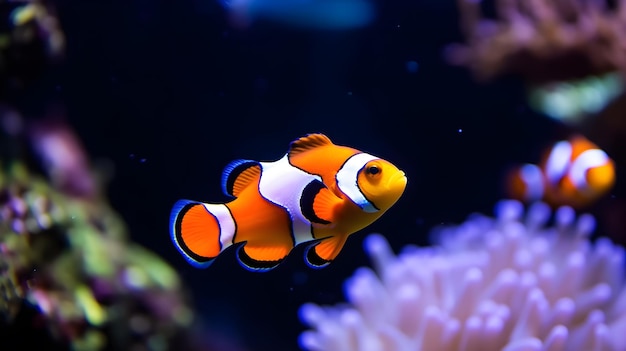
(574, 172)
(318, 192)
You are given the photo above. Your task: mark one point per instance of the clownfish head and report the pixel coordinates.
(381, 183)
(373, 184)
(590, 176)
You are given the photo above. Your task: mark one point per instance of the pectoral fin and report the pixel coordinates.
(322, 253)
(319, 204)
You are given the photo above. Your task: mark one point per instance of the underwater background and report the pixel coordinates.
(164, 94)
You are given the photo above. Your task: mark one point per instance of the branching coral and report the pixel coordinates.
(543, 40)
(507, 283)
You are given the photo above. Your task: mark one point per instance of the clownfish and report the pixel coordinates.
(318, 192)
(574, 172)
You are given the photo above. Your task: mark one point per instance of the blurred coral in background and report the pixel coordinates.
(513, 282)
(569, 53)
(70, 277)
(542, 41)
(72, 259)
(31, 42)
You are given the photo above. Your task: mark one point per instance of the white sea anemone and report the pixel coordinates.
(508, 283)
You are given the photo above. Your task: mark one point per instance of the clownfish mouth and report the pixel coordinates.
(398, 179)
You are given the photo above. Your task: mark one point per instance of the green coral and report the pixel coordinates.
(63, 249)
(10, 294)
(71, 257)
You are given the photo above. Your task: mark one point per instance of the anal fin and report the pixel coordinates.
(321, 254)
(261, 258)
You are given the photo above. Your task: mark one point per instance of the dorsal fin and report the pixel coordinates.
(308, 142)
(238, 175)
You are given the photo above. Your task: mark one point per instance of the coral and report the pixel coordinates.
(67, 264)
(31, 41)
(570, 53)
(542, 40)
(511, 283)
(573, 102)
(72, 259)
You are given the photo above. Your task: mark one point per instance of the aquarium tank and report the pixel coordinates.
(314, 175)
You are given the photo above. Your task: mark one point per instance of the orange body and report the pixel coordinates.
(318, 192)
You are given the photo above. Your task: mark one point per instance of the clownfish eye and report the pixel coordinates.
(373, 170)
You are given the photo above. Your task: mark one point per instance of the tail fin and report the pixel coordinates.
(198, 232)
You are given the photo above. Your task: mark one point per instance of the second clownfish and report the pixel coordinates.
(317, 193)
(574, 172)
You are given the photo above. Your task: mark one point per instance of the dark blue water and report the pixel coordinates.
(170, 93)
